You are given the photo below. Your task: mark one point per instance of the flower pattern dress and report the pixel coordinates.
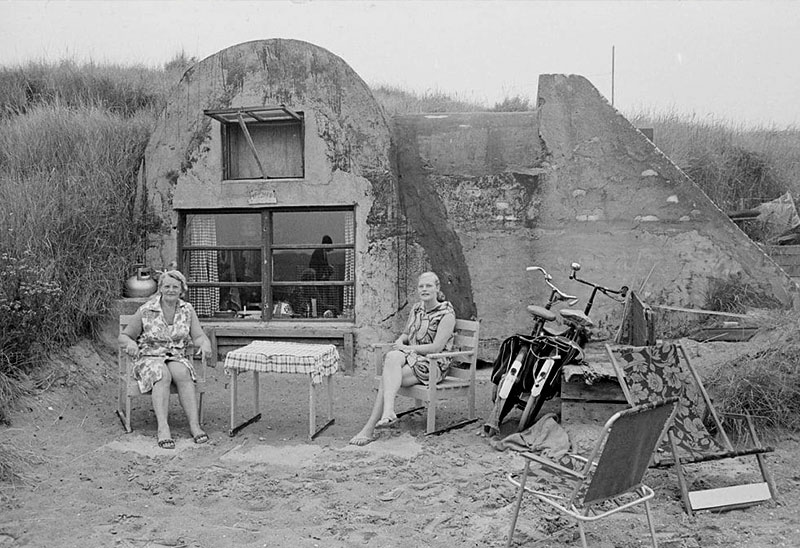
(161, 342)
(421, 329)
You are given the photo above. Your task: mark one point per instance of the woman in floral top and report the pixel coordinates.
(157, 337)
(430, 329)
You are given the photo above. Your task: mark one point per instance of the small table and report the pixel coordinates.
(318, 361)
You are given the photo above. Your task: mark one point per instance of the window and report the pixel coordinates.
(261, 142)
(273, 263)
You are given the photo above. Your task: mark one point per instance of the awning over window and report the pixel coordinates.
(253, 114)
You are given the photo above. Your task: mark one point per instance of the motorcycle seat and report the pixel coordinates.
(541, 312)
(576, 317)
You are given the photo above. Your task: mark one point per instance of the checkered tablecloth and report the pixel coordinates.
(317, 360)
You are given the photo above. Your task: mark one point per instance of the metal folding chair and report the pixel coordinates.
(609, 480)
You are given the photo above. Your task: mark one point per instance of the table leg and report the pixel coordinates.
(234, 388)
(313, 432)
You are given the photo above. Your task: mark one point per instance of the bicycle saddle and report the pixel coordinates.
(576, 317)
(541, 312)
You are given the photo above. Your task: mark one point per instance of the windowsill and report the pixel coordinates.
(275, 180)
(265, 327)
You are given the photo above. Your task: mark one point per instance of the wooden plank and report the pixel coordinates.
(729, 496)
(777, 250)
(699, 311)
(599, 391)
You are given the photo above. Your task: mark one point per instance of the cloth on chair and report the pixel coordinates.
(545, 436)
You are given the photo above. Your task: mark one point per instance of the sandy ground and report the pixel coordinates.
(88, 484)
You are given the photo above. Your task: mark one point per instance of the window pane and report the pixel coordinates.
(310, 227)
(279, 146)
(292, 265)
(223, 230)
(224, 266)
(311, 301)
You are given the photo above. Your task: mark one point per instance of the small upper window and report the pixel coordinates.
(261, 142)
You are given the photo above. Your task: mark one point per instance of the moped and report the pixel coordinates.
(527, 371)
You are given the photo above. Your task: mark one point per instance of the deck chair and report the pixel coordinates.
(459, 383)
(610, 479)
(646, 373)
(129, 388)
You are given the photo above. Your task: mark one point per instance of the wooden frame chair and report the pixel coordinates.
(129, 388)
(610, 479)
(459, 383)
(646, 373)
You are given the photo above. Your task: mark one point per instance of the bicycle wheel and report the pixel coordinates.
(530, 412)
(509, 403)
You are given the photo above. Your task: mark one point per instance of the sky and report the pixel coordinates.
(712, 60)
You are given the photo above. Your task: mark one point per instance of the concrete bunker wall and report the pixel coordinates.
(347, 158)
(571, 181)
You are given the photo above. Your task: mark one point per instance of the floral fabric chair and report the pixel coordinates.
(651, 373)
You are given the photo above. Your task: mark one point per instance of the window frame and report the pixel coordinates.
(266, 248)
(241, 118)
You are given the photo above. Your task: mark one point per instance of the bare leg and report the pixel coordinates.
(395, 375)
(185, 385)
(160, 397)
(367, 433)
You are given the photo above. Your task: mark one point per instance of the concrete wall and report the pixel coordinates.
(493, 193)
(348, 157)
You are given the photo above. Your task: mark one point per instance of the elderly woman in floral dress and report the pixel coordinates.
(157, 337)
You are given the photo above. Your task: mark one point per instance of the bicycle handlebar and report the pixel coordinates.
(607, 291)
(547, 279)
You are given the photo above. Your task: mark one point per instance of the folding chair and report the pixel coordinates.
(610, 479)
(459, 383)
(129, 388)
(646, 373)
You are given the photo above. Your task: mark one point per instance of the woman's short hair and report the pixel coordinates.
(175, 275)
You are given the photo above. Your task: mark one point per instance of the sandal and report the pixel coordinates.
(168, 443)
(201, 438)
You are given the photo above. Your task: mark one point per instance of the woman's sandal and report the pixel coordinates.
(168, 443)
(384, 423)
(201, 438)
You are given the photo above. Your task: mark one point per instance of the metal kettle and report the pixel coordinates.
(140, 284)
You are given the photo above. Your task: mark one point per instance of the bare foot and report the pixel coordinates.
(362, 439)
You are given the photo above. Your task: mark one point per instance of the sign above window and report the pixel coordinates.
(261, 142)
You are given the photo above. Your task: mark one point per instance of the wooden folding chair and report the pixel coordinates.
(459, 383)
(610, 479)
(646, 373)
(129, 388)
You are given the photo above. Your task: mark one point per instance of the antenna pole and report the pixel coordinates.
(612, 76)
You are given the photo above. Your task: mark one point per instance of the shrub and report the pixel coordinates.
(731, 294)
(513, 104)
(765, 384)
(29, 295)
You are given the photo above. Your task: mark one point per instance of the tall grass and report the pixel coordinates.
(67, 183)
(738, 167)
(123, 90)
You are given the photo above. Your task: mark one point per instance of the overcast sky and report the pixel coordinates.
(734, 61)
